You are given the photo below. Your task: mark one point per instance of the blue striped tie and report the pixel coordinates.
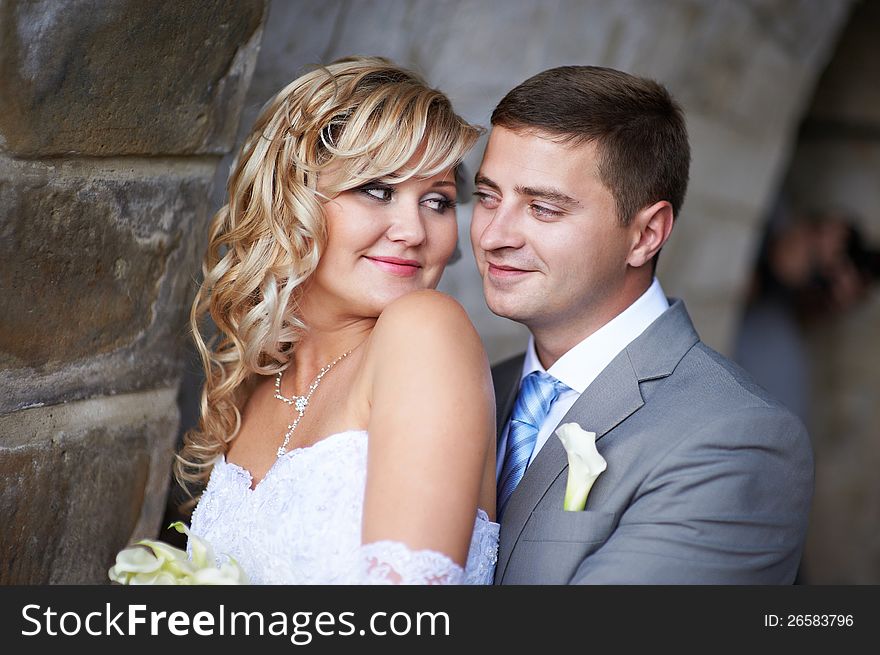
(536, 395)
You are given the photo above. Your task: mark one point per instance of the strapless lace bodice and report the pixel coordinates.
(302, 524)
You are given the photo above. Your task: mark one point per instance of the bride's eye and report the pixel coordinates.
(380, 192)
(438, 203)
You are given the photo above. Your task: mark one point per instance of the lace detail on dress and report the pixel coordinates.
(483, 552)
(302, 522)
(393, 562)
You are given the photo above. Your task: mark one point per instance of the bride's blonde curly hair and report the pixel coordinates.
(366, 117)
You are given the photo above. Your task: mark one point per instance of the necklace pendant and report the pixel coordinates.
(300, 402)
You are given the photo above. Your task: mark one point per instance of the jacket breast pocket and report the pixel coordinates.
(586, 527)
(554, 543)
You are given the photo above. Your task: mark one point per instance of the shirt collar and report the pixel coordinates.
(582, 364)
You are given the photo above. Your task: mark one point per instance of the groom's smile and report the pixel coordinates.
(545, 232)
(506, 273)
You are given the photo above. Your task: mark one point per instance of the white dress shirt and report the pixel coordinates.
(582, 364)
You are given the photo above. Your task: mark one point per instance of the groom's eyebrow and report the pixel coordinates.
(479, 178)
(548, 193)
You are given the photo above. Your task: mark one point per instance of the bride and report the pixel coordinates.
(347, 420)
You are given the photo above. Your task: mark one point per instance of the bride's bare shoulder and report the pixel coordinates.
(426, 357)
(427, 303)
(425, 320)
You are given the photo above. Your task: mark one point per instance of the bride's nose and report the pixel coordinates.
(407, 225)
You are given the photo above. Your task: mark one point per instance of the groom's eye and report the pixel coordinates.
(542, 211)
(487, 200)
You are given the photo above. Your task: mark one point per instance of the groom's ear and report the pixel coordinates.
(649, 230)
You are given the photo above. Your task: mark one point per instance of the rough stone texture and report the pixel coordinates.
(97, 262)
(112, 120)
(837, 164)
(124, 77)
(80, 481)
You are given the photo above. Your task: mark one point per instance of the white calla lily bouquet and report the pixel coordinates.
(157, 563)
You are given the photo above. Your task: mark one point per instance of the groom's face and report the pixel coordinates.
(546, 237)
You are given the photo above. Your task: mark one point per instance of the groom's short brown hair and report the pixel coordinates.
(638, 129)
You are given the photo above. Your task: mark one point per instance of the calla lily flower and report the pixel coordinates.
(202, 553)
(157, 563)
(584, 464)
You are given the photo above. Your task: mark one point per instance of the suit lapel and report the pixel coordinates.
(611, 398)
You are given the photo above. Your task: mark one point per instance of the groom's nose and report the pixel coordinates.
(496, 229)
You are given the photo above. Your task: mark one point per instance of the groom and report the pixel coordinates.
(708, 479)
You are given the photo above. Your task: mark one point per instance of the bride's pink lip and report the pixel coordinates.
(396, 266)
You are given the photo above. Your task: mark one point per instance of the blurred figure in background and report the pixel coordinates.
(809, 269)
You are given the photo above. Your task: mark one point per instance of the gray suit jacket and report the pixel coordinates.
(709, 480)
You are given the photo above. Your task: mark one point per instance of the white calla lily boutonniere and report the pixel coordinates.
(584, 464)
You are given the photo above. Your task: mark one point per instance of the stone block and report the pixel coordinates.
(737, 168)
(711, 250)
(125, 77)
(97, 271)
(753, 88)
(80, 481)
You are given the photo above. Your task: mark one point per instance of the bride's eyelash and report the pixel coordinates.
(439, 204)
(386, 191)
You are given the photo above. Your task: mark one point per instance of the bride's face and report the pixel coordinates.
(385, 240)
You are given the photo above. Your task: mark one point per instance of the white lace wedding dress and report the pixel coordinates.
(302, 524)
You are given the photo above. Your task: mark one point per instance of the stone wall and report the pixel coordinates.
(113, 117)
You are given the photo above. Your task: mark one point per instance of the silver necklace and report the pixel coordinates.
(301, 402)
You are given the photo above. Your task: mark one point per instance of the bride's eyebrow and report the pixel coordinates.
(443, 184)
